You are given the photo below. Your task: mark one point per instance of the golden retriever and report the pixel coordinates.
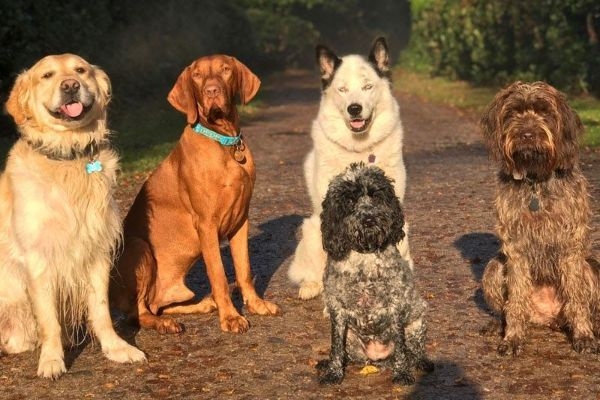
(59, 224)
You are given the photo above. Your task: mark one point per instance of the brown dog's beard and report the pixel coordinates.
(529, 151)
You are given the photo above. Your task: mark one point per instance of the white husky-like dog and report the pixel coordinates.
(358, 120)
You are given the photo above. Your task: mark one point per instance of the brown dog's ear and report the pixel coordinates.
(103, 83)
(16, 105)
(490, 121)
(572, 129)
(248, 83)
(182, 97)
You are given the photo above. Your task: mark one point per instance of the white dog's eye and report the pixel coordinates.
(368, 86)
(343, 89)
(48, 75)
(80, 70)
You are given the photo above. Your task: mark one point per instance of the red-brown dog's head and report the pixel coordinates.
(206, 89)
(530, 130)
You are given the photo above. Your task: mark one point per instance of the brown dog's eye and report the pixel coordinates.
(47, 75)
(80, 70)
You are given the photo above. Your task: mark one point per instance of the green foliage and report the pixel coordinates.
(495, 41)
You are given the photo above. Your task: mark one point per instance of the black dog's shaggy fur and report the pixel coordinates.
(376, 313)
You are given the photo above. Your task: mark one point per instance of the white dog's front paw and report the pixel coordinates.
(309, 290)
(125, 353)
(51, 369)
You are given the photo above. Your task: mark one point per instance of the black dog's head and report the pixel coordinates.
(360, 212)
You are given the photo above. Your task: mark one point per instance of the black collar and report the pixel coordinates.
(89, 152)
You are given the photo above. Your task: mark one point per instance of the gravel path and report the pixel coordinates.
(449, 206)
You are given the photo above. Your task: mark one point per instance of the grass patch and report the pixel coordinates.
(467, 97)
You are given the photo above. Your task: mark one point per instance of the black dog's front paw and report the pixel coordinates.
(322, 365)
(403, 378)
(425, 365)
(331, 376)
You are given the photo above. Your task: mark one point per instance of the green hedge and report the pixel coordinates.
(496, 41)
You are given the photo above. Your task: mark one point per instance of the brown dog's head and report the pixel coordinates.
(530, 129)
(207, 88)
(59, 93)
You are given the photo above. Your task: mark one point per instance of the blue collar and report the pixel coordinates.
(224, 140)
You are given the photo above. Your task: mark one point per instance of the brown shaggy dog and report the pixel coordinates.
(541, 274)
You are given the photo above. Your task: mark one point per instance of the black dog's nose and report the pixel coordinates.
(354, 109)
(69, 86)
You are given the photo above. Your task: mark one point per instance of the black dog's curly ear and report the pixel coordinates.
(334, 242)
(397, 231)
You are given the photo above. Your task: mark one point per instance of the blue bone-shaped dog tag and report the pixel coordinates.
(93, 166)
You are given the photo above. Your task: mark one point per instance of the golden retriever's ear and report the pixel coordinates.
(182, 97)
(103, 83)
(16, 105)
(248, 83)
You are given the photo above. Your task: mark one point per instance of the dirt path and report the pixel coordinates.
(449, 205)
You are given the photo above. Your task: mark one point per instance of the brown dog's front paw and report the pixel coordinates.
(234, 324)
(160, 324)
(514, 347)
(262, 307)
(585, 345)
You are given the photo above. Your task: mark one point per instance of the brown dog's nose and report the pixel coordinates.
(212, 90)
(69, 86)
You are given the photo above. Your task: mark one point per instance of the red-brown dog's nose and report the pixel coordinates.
(69, 86)
(212, 90)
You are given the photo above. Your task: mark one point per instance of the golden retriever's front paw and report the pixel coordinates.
(234, 323)
(51, 369)
(262, 307)
(125, 353)
(309, 290)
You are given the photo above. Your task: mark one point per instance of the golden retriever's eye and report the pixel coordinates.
(80, 70)
(48, 75)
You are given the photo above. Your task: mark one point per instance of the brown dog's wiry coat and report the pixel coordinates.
(199, 195)
(542, 206)
(59, 223)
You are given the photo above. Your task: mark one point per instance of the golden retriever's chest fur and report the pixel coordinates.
(57, 203)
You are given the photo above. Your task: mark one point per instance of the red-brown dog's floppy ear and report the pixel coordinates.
(16, 105)
(182, 97)
(248, 83)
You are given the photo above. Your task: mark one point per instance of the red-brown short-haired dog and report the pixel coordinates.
(198, 196)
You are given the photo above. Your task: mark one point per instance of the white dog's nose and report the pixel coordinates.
(354, 109)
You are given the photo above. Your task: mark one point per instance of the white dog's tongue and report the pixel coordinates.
(72, 109)
(357, 123)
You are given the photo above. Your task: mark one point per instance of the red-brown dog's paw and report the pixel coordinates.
(160, 324)
(234, 324)
(262, 307)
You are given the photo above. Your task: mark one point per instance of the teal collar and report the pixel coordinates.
(224, 140)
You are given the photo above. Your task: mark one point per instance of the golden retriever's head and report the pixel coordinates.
(60, 93)
(206, 89)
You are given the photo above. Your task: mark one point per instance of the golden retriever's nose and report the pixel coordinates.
(69, 86)
(212, 90)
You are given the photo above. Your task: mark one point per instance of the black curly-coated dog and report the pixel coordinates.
(376, 313)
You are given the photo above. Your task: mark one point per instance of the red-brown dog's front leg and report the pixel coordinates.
(229, 319)
(238, 243)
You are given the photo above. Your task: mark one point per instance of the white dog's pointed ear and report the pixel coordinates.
(328, 63)
(380, 56)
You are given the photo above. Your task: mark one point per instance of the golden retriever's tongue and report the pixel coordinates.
(72, 109)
